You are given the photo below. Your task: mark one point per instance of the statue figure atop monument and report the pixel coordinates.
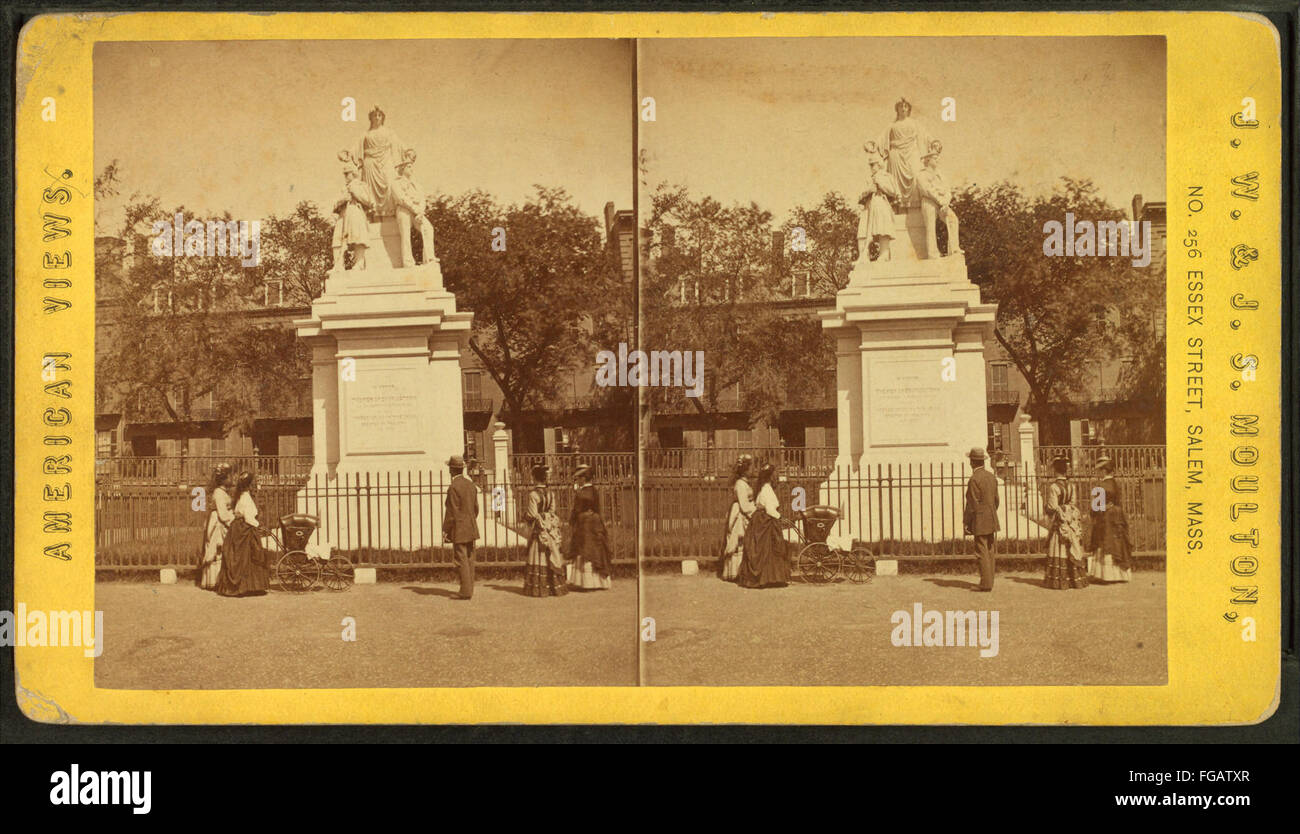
(876, 221)
(902, 144)
(936, 202)
(351, 229)
(377, 154)
(410, 211)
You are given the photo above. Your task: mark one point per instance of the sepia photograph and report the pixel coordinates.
(347, 299)
(922, 282)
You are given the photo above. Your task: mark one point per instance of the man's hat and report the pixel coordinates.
(541, 470)
(455, 462)
(1103, 461)
(977, 453)
(582, 469)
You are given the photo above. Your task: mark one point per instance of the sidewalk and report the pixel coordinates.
(408, 634)
(713, 632)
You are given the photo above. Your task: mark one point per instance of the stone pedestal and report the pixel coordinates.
(386, 397)
(910, 335)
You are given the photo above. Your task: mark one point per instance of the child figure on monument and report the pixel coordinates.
(876, 222)
(352, 229)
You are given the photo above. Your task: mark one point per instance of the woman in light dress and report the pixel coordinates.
(1065, 557)
(1111, 546)
(737, 519)
(766, 563)
(544, 572)
(219, 520)
(244, 570)
(592, 566)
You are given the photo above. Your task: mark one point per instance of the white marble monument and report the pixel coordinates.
(909, 328)
(386, 340)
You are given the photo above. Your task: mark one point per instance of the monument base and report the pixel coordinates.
(386, 342)
(910, 334)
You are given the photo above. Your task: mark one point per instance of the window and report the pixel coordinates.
(471, 446)
(670, 437)
(999, 376)
(801, 283)
(745, 438)
(473, 384)
(995, 437)
(793, 436)
(105, 444)
(304, 444)
(273, 292)
(219, 446)
(1125, 370)
(162, 300)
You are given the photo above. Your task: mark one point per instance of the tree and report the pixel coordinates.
(177, 331)
(714, 284)
(830, 233)
(295, 250)
(1057, 316)
(544, 297)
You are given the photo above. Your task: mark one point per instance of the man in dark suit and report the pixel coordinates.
(981, 516)
(460, 523)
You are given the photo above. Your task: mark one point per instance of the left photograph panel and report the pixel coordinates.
(349, 296)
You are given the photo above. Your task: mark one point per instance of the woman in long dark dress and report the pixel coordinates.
(244, 569)
(591, 569)
(767, 558)
(544, 572)
(1111, 547)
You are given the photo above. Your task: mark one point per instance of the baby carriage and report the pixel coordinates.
(298, 571)
(818, 561)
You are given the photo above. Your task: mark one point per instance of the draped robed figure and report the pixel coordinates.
(378, 152)
(903, 142)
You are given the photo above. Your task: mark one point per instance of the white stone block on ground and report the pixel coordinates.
(167, 576)
(365, 576)
(690, 567)
(886, 567)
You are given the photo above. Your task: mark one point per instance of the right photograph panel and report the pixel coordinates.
(903, 413)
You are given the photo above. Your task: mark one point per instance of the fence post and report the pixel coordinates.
(501, 467)
(1026, 433)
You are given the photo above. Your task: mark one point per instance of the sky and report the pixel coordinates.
(782, 121)
(254, 127)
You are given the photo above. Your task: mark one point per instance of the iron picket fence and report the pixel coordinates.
(896, 510)
(383, 520)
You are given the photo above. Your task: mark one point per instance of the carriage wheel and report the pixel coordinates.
(860, 565)
(338, 573)
(296, 573)
(818, 563)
